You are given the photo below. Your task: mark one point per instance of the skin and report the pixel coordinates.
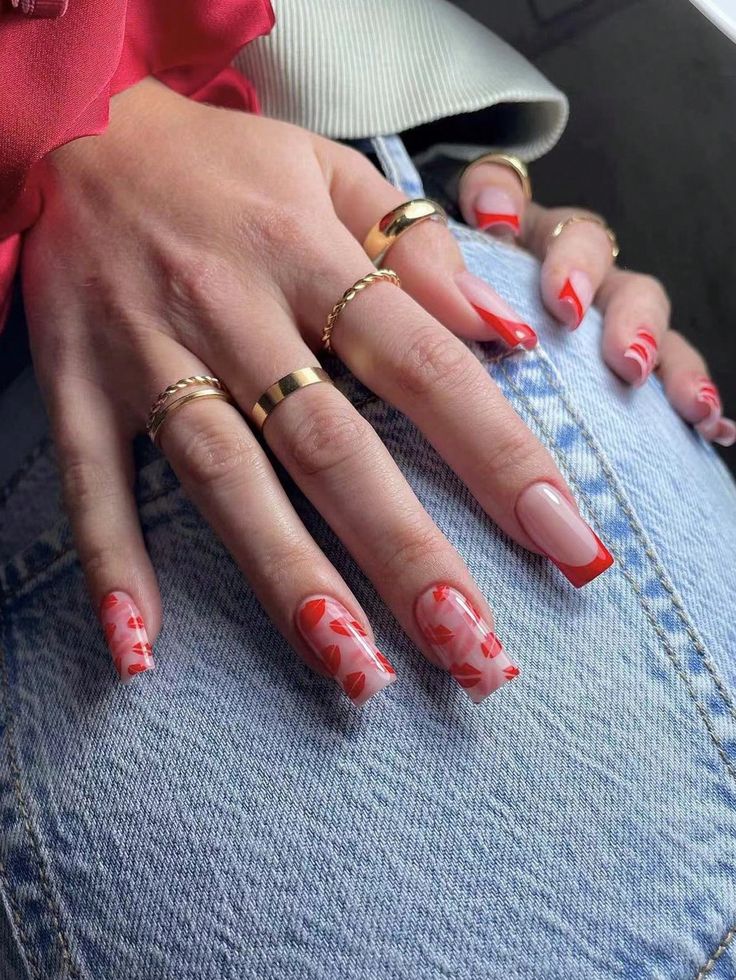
(627, 300)
(222, 262)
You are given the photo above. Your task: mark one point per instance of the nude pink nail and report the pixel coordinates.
(341, 645)
(713, 426)
(642, 351)
(575, 297)
(463, 642)
(126, 635)
(496, 312)
(494, 211)
(556, 528)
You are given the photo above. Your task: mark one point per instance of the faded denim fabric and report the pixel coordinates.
(229, 816)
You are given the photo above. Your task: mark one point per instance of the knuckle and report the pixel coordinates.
(434, 359)
(512, 448)
(215, 454)
(327, 438)
(652, 287)
(415, 545)
(98, 559)
(86, 482)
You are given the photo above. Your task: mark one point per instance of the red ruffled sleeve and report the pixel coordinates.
(57, 78)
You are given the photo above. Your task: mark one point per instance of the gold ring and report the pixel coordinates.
(504, 160)
(283, 388)
(387, 275)
(594, 219)
(157, 419)
(195, 379)
(392, 225)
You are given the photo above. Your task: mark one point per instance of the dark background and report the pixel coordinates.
(651, 144)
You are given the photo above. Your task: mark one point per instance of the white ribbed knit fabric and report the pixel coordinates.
(357, 68)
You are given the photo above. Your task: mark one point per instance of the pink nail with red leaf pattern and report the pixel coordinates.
(126, 635)
(341, 645)
(463, 642)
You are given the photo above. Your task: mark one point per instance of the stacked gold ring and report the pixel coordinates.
(204, 385)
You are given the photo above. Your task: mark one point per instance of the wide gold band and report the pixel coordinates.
(504, 160)
(283, 388)
(167, 408)
(392, 225)
(381, 275)
(593, 219)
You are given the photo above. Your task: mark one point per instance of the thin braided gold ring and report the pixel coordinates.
(380, 275)
(195, 379)
(593, 219)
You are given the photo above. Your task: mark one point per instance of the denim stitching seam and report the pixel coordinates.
(671, 654)
(27, 823)
(717, 954)
(648, 550)
(30, 957)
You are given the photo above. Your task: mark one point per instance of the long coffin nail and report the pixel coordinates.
(341, 645)
(556, 527)
(643, 352)
(714, 426)
(494, 211)
(575, 298)
(495, 312)
(126, 635)
(463, 641)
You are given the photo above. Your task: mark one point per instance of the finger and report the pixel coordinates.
(338, 461)
(636, 313)
(491, 199)
(574, 264)
(227, 475)
(426, 257)
(409, 359)
(96, 466)
(692, 392)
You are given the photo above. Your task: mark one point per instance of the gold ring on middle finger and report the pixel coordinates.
(593, 219)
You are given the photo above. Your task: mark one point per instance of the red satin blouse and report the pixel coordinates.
(60, 63)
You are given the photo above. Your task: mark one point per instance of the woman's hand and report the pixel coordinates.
(577, 268)
(192, 240)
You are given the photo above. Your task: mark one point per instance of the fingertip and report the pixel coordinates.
(496, 212)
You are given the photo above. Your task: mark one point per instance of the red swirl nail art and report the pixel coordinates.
(463, 642)
(643, 352)
(341, 645)
(126, 635)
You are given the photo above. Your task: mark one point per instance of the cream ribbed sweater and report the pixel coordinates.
(356, 68)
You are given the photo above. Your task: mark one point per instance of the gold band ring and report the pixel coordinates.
(194, 379)
(165, 410)
(283, 388)
(503, 160)
(381, 275)
(593, 219)
(392, 225)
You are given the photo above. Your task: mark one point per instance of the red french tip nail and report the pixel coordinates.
(512, 333)
(490, 219)
(580, 575)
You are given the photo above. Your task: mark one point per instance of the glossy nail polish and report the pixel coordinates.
(556, 528)
(126, 635)
(463, 642)
(494, 211)
(341, 645)
(643, 352)
(575, 298)
(495, 312)
(714, 426)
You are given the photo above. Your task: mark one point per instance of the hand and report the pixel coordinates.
(192, 240)
(577, 268)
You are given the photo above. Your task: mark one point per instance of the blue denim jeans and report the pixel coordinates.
(230, 817)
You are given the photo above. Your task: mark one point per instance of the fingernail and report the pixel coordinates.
(126, 635)
(341, 645)
(575, 296)
(707, 397)
(643, 352)
(725, 435)
(495, 312)
(463, 642)
(494, 211)
(556, 527)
